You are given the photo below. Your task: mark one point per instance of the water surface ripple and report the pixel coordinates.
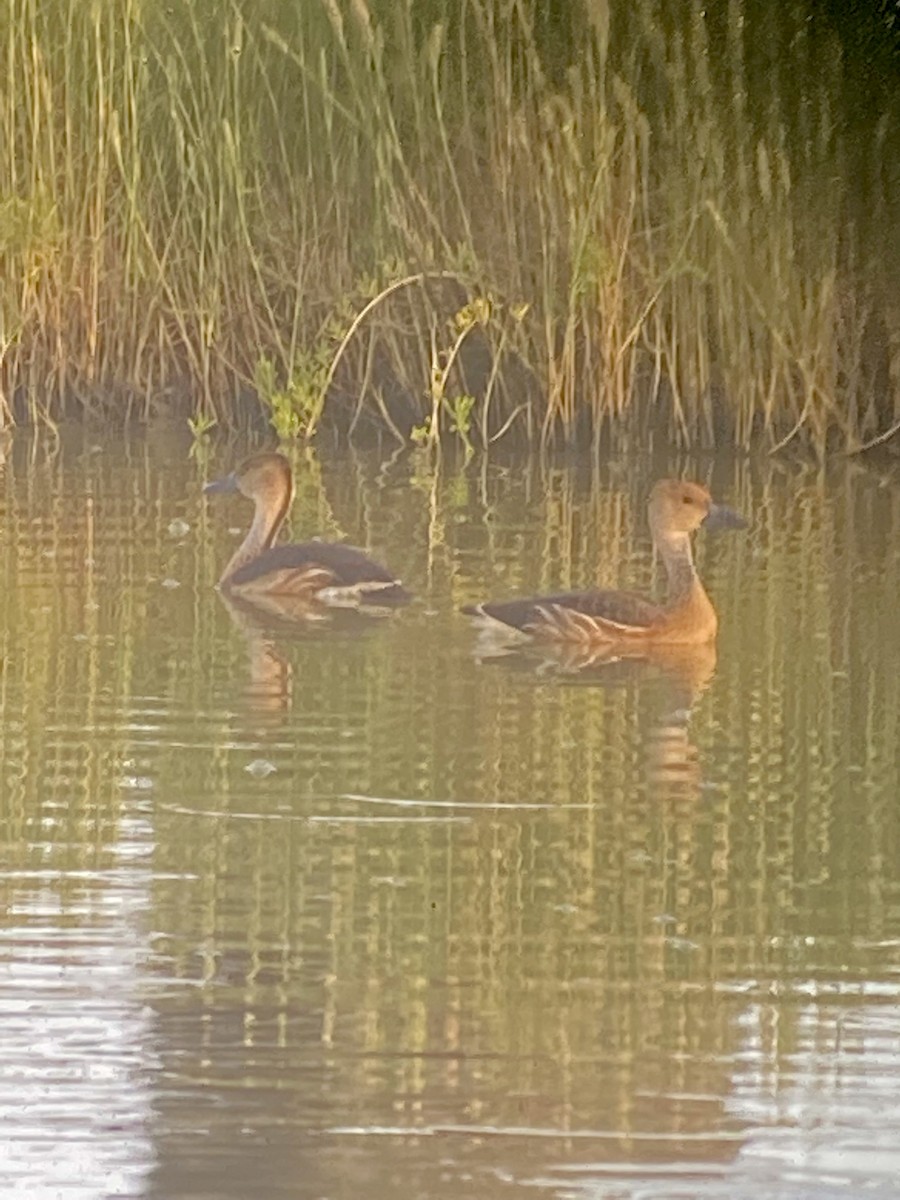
(363, 909)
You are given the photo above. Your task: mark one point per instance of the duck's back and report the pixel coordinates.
(542, 613)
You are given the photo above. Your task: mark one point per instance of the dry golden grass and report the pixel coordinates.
(217, 205)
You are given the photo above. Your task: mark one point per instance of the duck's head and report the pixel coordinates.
(262, 478)
(679, 507)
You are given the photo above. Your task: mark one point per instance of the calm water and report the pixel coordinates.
(352, 910)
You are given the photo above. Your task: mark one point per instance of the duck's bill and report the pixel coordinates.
(227, 483)
(720, 516)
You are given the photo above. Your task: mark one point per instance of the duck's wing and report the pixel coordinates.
(588, 615)
(330, 571)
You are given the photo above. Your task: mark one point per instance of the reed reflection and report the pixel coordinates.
(457, 903)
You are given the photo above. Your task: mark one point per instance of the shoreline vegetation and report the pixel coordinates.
(479, 220)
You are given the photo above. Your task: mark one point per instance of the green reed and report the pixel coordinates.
(664, 222)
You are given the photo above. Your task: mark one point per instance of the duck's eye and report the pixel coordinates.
(687, 499)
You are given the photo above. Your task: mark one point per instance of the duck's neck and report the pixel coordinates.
(675, 551)
(268, 517)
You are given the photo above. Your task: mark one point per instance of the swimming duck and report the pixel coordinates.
(676, 509)
(326, 572)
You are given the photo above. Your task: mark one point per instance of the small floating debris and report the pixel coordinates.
(260, 768)
(639, 858)
(136, 783)
(325, 819)
(487, 805)
(665, 919)
(682, 945)
(178, 528)
(171, 584)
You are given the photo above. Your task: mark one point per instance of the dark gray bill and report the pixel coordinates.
(228, 483)
(720, 516)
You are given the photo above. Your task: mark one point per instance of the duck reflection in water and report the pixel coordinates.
(269, 623)
(672, 760)
(270, 683)
(678, 675)
(296, 580)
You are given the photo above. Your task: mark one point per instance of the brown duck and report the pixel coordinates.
(676, 509)
(322, 572)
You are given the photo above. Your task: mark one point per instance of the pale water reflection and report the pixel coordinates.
(348, 908)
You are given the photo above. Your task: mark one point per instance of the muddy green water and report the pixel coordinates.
(351, 910)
